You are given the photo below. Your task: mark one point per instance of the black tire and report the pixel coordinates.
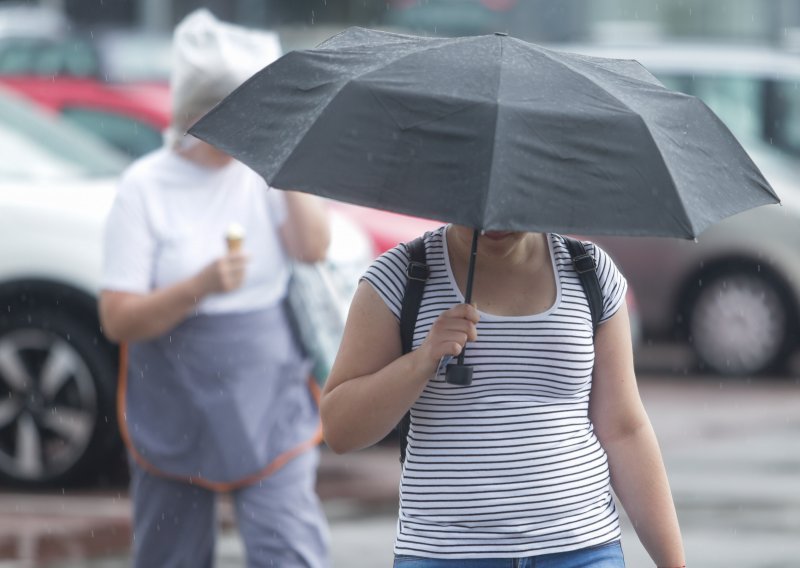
(740, 322)
(57, 387)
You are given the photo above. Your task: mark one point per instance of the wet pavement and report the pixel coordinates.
(732, 449)
(92, 528)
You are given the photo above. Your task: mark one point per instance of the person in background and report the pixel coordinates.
(516, 469)
(214, 391)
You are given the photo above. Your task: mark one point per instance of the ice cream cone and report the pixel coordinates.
(235, 237)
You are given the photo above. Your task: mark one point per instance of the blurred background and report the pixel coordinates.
(84, 90)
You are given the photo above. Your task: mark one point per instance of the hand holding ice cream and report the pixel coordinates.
(227, 272)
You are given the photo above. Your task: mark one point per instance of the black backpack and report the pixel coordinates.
(418, 272)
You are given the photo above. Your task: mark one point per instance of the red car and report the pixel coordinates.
(131, 117)
(386, 229)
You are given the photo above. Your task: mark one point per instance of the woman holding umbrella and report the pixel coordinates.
(520, 464)
(490, 132)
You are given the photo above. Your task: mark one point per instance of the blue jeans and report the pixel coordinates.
(602, 556)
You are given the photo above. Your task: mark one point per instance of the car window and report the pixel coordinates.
(34, 145)
(16, 57)
(47, 57)
(738, 101)
(133, 137)
(784, 119)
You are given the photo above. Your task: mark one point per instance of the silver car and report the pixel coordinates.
(733, 294)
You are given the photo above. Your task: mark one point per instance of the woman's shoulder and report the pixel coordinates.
(591, 247)
(143, 174)
(394, 261)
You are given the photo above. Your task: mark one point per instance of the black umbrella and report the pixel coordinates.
(489, 132)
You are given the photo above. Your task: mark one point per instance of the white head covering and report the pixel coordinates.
(210, 59)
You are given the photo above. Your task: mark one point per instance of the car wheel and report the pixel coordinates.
(56, 400)
(739, 323)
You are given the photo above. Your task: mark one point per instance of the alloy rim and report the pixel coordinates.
(48, 405)
(738, 324)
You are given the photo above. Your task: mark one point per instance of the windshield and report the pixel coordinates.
(37, 146)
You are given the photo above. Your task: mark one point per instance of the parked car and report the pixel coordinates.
(735, 293)
(112, 82)
(57, 371)
(130, 117)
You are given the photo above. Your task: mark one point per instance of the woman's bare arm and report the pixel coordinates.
(127, 316)
(624, 430)
(372, 384)
(306, 232)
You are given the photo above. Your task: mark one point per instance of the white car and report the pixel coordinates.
(58, 373)
(735, 293)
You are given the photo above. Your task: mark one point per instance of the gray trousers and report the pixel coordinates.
(279, 518)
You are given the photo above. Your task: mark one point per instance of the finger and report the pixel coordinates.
(466, 311)
(460, 325)
(450, 348)
(240, 260)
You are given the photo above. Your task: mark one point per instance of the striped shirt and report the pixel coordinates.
(508, 466)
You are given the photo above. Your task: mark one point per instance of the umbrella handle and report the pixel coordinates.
(459, 373)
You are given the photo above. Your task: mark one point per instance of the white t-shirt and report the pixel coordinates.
(169, 220)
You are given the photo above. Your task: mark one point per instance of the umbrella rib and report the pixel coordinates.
(355, 78)
(691, 229)
(494, 138)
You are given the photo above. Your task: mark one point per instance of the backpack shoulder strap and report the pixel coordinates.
(417, 272)
(586, 268)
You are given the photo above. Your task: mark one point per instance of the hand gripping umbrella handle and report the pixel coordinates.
(459, 373)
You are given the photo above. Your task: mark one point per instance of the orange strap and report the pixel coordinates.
(272, 467)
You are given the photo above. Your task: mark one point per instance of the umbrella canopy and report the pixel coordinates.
(489, 132)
